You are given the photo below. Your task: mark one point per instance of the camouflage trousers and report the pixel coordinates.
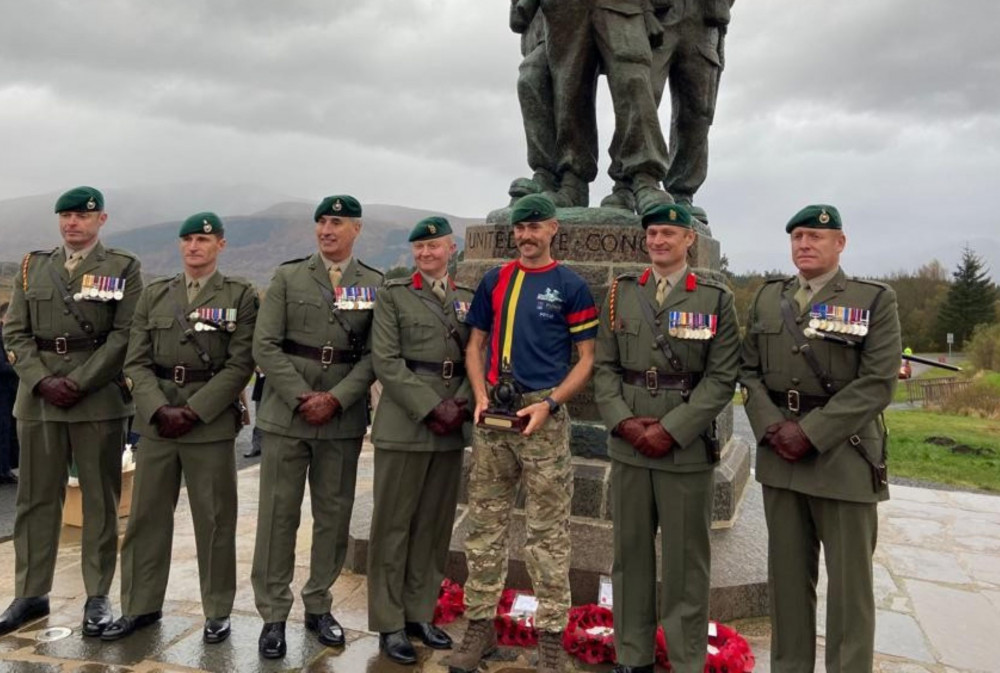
(542, 465)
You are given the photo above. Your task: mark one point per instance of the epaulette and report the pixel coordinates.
(370, 268)
(460, 286)
(121, 253)
(779, 279)
(237, 280)
(712, 283)
(628, 275)
(160, 279)
(399, 282)
(865, 281)
(294, 261)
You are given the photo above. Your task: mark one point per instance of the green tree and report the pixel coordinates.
(971, 300)
(920, 296)
(398, 272)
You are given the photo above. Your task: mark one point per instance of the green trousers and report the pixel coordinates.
(331, 466)
(47, 448)
(796, 526)
(209, 472)
(680, 505)
(416, 493)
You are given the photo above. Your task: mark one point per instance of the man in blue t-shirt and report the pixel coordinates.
(525, 318)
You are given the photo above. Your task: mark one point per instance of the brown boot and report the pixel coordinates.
(551, 655)
(480, 640)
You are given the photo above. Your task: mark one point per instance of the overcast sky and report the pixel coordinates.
(889, 109)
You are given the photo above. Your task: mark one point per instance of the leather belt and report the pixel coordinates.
(445, 370)
(796, 402)
(651, 379)
(180, 374)
(327, 355)
(63, 345)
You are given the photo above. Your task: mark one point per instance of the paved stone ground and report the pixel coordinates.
(937, 572)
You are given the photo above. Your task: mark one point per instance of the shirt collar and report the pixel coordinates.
(82, 253)
(202, 282)
(329, 264)
(816, 284)
(672, 279)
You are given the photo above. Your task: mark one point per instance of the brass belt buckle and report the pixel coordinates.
(62, 346)
(652, 380)
(180, 375)
(794, 401)
(447, 370)
(326, 355)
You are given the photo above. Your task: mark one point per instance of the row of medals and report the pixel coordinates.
(696, 326)
(839, 319)
(355, 298)
(100, 288)
(213, 319)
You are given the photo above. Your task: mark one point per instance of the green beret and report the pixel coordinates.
(819, 216)
(532, 208)
(338, 206)
(668, 213)
(430, 227)
(202, 223)
(80, 200)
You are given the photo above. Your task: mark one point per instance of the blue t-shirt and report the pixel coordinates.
(533, 317)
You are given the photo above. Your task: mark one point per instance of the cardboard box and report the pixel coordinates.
(73, 506)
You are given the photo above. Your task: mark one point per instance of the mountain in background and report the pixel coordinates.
(263, 227)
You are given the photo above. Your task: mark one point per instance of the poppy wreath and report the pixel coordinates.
(590, 634)
(450, 603)
(511, 631)
(728, 651)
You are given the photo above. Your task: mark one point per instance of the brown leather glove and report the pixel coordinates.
(632, 428)
(318, 407)
(448, 416)
(655, 442)
(174, 422)
(789, 441)
(59, 391)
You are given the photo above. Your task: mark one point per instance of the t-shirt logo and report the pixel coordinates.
(549, 303)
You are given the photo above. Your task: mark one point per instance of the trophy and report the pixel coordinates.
(505, 400)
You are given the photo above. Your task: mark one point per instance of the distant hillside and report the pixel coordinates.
(257, 243)
(263, 227)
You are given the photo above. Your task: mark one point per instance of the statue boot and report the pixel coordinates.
(541, 181)
(621, 197)
(648, 193)
(573, 191)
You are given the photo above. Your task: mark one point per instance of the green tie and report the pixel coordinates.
(437, 287)
(193, 288)
(802, 296)
(662, 290)
(73, 262)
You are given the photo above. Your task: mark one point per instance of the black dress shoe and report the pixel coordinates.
(96, 615)
(327, 629)
(622, 668)
(23, 610)
(271, 643)
(397, 647)
(252, 453)
(127, 625)
(216, 629)
(430, 635)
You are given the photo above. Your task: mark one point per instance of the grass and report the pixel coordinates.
(910, 455)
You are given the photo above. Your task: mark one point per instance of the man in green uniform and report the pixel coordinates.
(818, 367)
(312, 342)
(66, 335)
(667, 357)
(418, 347)
(189, 357)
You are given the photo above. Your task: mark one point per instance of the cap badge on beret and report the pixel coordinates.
(824, 217)
(206, 226)
(673, 215)
(432, 229)
(91, 203)
(338, 206)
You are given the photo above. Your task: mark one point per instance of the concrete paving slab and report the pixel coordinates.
(985, 568)
(900, 635)
(961, 625)
(927, 564)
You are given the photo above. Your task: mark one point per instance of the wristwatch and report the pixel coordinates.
(553, 405)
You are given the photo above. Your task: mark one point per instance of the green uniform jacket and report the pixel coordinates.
(864, 378)
(405, 328)
(37, 310)
(294, 308)
(625, 340)
(159, 339)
